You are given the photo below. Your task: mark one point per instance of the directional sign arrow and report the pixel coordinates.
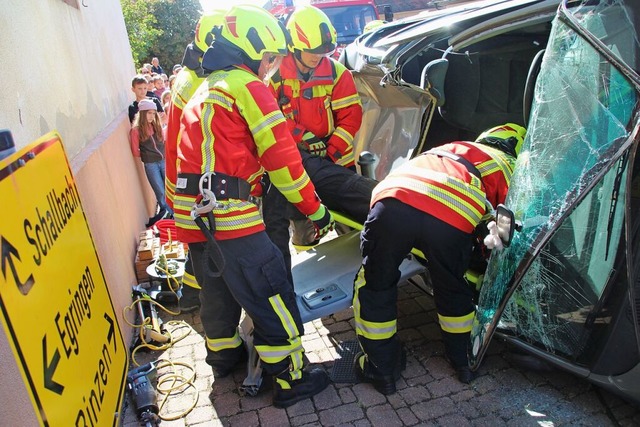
(112, 331)
(7, 251)
(50, 368)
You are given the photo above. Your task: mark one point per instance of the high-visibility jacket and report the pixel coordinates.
(446, 189)
(184, 86)
(233, 125)
(328, 105)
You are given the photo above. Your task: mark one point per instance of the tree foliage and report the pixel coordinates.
(160, 28)
(141, 27)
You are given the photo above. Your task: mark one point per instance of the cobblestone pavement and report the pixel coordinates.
(504, 394)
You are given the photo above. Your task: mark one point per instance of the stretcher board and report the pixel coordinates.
(323, 276)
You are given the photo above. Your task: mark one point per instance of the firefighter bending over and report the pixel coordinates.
(233, 131)
(431, 203)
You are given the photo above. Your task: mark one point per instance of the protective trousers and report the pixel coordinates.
(338, 187)
(392, 229)
(254, 278)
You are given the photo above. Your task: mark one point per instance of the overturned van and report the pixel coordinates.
(567, 287)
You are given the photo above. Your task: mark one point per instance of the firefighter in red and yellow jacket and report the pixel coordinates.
(318, 97)
(187, 81)
(316, 93)
(432, 203)
(232, 131)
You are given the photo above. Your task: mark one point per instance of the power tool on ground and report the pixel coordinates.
(143, 394)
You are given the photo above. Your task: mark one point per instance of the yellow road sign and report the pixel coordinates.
(56, 308)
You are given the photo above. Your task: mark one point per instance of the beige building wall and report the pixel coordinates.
(68, 67)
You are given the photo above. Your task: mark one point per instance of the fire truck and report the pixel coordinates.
(349, 17)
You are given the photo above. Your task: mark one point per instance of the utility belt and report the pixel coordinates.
(208, 189)
(222, 185)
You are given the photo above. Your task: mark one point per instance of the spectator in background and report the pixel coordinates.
(165, 79)
(176, 69)
(172, 79)
(148, 67)
(165, 99)
(147, 143)
(155, 66)
(139, 88)
(158, 86)
(144, 71)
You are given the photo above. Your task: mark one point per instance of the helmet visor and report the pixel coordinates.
(269, 65)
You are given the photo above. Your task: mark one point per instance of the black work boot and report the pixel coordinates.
(367, 372)
(286, 392)
(456, 347)
(221, 371)
(190, 299)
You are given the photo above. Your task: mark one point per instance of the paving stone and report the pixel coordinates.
(244, 419)
(327, 398)
(250, 403)
(396, 401)
(200, 414)
(383, 416)
(341, 415)
(413, 395)
(453, 421)
(407, 416)
(226, 404)
(446, 386)
(301, 408)
(421, 380)
(367, 395)
(489, 421)
(361, 423)
(467, 409)
(346, 395)
(433, 409)
(272, 417)
(303, 420)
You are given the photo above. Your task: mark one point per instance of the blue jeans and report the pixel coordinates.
(155, 175)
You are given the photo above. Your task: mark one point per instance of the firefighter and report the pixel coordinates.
(432, 203)
(231, 132)
(318, 97)
(186, 82)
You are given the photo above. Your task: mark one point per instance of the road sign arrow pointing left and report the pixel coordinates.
(50, 368)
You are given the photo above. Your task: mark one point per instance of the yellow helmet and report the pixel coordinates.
(508, 138)
(254, 31)
(311, 31)
(207, 22)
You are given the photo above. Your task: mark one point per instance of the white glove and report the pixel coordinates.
(492, 240)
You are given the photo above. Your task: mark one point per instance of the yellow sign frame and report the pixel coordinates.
(54, 300)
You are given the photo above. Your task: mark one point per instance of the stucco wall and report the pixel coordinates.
(63, 68)
(70, 69)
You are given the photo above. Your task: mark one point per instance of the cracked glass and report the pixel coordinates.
(569, 188)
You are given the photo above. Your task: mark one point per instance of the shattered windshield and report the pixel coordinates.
(568, 190)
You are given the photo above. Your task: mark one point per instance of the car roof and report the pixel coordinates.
(387, 43)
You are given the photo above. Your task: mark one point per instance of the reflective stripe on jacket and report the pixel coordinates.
(328, 105)
(184, 86)
(233, 125)
(444, 187)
